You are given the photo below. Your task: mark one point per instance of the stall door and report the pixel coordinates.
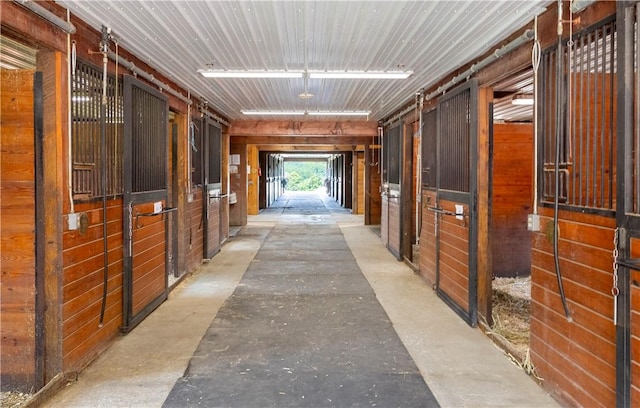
(456, 215)
(391, 179)
(212, 198)
(145, 201)
(626, 273)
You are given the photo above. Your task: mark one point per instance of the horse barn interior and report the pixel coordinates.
(476, 142)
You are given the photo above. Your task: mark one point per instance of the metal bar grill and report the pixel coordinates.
(149, 142)
(392, 142)
(636, 114)
(86, 123)
(454, 149)
(215, 153)
(587, 122)
(429, 138)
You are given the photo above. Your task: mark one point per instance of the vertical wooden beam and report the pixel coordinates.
(238, 185)
(54, 69)
(253, 180)
(182, 146)
(485, 98)
(406, 204)
(355, 181)
(224, 202)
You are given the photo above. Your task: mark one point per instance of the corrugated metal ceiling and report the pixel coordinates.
(429, 38)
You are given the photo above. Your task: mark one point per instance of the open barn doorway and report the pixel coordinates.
(511, 198)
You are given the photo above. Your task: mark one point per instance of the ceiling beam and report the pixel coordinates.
(335, 130)
(310, 148)
(301, 140)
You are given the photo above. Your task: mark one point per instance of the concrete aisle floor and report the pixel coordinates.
(459, 364)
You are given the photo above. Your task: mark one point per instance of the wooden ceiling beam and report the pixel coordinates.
(302, 140)
(305, 129)
(310, 148)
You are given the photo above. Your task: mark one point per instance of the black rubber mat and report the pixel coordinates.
(302, 329)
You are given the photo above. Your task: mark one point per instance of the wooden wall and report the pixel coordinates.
(512, 187)
(390, 224)
(373, 181)
(360, 163)
(83, 273)
(238, 185)
(253, 181)
(149, 255)
(17, 232)
(427, 254)
(453, 262)
(635, 324)
(213, 238)
(194, 248)
(576, 359)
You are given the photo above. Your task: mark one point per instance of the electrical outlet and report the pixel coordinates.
(533, 222)
(72, 219)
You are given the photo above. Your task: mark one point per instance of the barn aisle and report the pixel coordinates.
(303, 328)
(303, 303)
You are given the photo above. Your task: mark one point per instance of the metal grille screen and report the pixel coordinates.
(215, 154)
(429, 137)
(636, 113)
(87, 121)
(149, 141)
(392, 151)
(196, 132)
(585, 119)
(455, 131)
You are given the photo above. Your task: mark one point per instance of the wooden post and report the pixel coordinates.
(485, 98)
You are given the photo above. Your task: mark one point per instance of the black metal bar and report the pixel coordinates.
(603, 109)
(127, 207)
(583, 108)
(40, 236)
(625, 202)
(573, 75)
(612, 102)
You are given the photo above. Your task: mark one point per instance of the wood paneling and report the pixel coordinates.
(17, 231)
(360, 183)
(586, 345)
(512, 181)
(238, 185)
(384, 222)
(194, 230)
(336, 131)
(83, 278)
(149, 252)
(453, 262)
(394, 227)
(635, 337)
(428, 238)
(372, 199)
(253, 181)
(213, 238)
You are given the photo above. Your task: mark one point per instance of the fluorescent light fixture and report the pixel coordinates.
(250, 74)
(522, 99)
(340, 113)
(300, 113)
(268, 112)
(359, 74)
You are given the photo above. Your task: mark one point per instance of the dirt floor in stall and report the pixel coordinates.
(511, 318)
(13, 399)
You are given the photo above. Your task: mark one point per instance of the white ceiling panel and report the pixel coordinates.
(430, 38)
